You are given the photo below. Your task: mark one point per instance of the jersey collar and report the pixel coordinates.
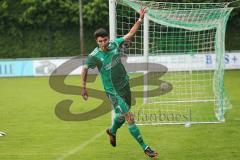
(110, 47)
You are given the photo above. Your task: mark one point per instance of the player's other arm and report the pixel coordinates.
(90, 63)
(84, 82)
(136, 26)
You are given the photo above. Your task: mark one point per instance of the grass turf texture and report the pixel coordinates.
(35, 133)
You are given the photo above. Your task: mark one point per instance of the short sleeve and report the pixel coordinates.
(119, 41)
(90, 62)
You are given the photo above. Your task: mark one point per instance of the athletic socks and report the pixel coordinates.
(118, 122)
(133, 129)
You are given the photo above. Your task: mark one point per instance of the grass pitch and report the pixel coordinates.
(35, 133)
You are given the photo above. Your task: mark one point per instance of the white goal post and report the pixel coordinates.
(177, 36)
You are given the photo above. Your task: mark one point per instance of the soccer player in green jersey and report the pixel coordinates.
(106, 57)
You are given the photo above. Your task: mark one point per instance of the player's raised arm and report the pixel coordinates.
(136, 26)
(84, 82)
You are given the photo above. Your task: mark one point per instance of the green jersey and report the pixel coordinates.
(113, 74)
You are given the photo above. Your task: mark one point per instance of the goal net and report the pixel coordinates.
(187, 41)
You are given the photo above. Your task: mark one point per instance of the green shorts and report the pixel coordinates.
(121, 101)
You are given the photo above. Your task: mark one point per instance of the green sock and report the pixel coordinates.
(118, 122)
(136, 134)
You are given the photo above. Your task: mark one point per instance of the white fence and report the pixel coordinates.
(45, 66)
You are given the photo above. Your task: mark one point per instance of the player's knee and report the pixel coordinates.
(129, 117)
(121, 119)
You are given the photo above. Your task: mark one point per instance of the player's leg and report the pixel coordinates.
(124, 103)
(134, 130)
(122, 107)
(118, 120)
(122, 96)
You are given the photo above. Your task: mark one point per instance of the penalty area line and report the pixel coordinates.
(81, 146)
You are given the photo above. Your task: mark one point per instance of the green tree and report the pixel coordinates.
(96, 13)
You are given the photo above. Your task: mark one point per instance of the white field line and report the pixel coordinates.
(81, 146)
